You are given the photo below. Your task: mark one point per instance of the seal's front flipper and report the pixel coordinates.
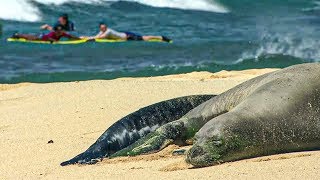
(155, 141)
(151, 143)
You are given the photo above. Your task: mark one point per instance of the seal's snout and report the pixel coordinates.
(195, 152)
(201, 156)
(197, 156)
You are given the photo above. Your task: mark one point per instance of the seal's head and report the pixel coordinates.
(216, 144)
(209, 147)
(206, 152)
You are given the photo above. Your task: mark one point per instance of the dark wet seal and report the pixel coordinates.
(137, 125)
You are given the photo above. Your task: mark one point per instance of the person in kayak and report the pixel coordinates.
(108, 33)
(64, 21)
(53, 36)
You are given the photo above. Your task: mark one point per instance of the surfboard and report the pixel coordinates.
(70, 42)
(22, 40)
(108, 40)
(115, 41)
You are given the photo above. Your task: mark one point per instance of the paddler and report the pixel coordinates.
(108, 33)
(55, 35)
(64, 21)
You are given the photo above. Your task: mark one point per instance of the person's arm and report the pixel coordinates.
(71, 36)
(46, 27)
(100, 35)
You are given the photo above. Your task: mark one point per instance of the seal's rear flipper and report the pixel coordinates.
(84, 158)
(75, 160)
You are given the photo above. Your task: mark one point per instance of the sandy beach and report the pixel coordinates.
(73, 115)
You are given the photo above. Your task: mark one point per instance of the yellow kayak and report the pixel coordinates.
(47, 42)
(115, 40)
(81, 41)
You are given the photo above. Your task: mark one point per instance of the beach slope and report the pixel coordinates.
(44, 124)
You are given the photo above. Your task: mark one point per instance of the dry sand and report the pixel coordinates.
(75, 114)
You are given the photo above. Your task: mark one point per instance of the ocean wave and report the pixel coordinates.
(26, 10)
(314, 7)
(290, 43)
(266, 61)
(204, 5)
(18, 10)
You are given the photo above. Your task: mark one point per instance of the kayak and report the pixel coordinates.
(81, 41)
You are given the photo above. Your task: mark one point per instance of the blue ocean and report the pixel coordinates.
(209, 35)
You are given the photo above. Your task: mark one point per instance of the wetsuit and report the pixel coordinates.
(68, 27)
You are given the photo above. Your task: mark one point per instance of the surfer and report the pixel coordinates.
(108, 33)
(64, 21)
(53, 36)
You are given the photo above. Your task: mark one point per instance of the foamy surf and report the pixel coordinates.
(25, 10)
(202, 5)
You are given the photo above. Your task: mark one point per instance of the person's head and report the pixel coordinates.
(63, 19)
(58, 29)
(103, 27)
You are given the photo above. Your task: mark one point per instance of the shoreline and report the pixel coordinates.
(201, 75)
(74, 114)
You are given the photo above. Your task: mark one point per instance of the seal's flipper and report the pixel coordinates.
(83, 158)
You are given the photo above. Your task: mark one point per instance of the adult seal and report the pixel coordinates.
(129, 129)
(274, 113)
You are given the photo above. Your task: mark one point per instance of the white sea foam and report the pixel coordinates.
(315, 7)
(24, 10)
(286, 44)
(203, 5)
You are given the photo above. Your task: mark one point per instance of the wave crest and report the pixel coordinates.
(288, 44)
(26, 10)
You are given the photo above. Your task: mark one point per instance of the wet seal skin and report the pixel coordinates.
(136, 126)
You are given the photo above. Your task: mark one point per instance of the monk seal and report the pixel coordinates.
(279, 114)
(274, 113)
(129, 129)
